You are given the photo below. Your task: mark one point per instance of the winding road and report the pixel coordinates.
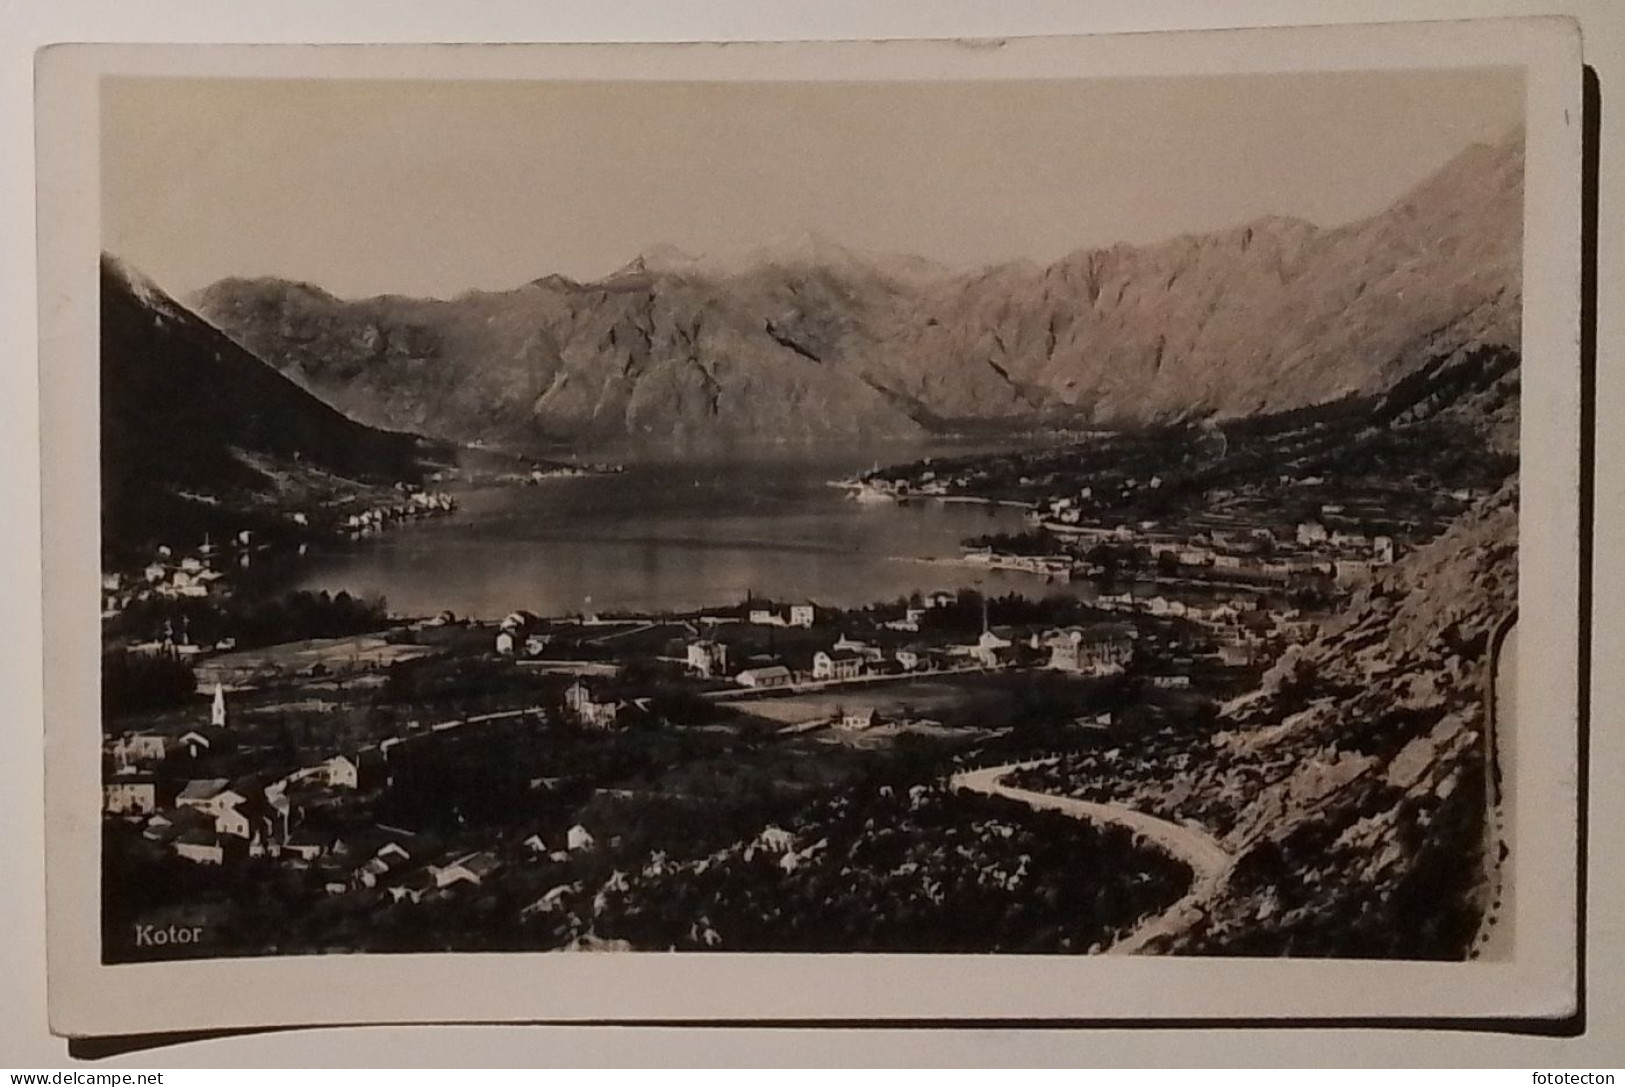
(1209, 861)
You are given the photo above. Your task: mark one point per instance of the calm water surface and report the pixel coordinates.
(672, 534)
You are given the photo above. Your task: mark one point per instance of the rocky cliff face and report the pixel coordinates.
(1353, 784)
(815, 340)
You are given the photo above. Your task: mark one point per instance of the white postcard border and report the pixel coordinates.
(89, 997)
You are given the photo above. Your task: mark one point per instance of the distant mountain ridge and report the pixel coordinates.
(811, 339)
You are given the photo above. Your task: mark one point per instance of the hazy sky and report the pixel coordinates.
(435, 188)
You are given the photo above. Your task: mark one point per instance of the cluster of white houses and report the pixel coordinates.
(1095, 649)
(172, 576)
(796, 615)
(1307, 549)
(1245, 633)
(417, 504)
(204, 818)
(215, 820)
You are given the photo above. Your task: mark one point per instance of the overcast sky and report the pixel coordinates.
(434, 188)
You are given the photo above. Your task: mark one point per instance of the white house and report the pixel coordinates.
(840, 664)
(130, 794)
(849, 644)
(775, 839)
(909, 659)
(988, 647)
(766, 617)
(340, 772)
(232, 823)
(579, 838)
(551, 901)
(1099, 651)
(201, 846)
(196, 743)
(776, 675)
(708, 658)
(1310, 533)
(393, 854)
(210, 795)
(580, 704)
(139, 747)
(307, 845)
(413, 887)
(857, 720)
(472, 868)
(505, 643)
(1382, 551)
(517, 621)
(802, 615)
(905, 624)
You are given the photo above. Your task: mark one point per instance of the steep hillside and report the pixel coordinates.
(1364, 760)
(641, 354)
(1271, 315)
(1351, 786)
(198, 435)
(814, 340)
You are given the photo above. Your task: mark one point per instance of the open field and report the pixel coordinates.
(934, 697)
(359, 653)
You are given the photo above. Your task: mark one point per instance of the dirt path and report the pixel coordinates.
(1209, 861)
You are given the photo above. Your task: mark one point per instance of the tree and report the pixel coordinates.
(136, 683)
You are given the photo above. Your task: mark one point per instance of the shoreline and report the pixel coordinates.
(859, 491)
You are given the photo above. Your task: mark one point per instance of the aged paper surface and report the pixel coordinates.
(105, 792)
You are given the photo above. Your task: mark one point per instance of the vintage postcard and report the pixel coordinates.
(1060, 529)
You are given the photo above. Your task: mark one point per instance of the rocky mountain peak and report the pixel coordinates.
(805, 336)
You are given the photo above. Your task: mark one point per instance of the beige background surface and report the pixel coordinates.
(21, 957)
(963, 174)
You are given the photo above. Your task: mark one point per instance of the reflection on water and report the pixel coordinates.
(671, 534)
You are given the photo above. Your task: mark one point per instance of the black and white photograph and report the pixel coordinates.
(1064, 517)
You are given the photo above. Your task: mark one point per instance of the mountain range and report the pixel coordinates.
(197, 435)
(816, 340)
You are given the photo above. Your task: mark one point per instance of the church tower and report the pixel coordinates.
(217, 715)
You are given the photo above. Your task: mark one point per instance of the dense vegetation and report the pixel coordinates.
(251, 621)
(138, 683)
(1395, 457)
(902, 870)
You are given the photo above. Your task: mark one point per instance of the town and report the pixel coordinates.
(328, 760)
(295, 773)
(1303, 505)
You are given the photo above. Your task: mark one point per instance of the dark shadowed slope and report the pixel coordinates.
(198, 434)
